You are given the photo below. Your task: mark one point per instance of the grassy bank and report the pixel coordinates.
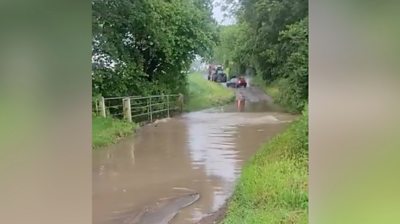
(106, 131)
(204, 94)
(283, 93)
(270, 89)
(273, 185)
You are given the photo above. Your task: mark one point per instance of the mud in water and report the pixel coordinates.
(148, 177)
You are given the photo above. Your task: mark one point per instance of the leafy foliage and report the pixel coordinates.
(293, 71)
(272, 39)
(229, 51)
(145, 46)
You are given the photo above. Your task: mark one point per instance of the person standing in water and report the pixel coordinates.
(240, 102)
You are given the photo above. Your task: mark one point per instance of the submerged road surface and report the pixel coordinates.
(181, 169)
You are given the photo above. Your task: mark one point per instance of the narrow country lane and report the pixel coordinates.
(156, 176)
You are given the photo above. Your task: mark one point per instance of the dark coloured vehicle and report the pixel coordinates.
(220, 76)
(237, 83)
(217, 74)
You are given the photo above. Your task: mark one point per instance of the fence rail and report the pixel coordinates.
(139, 108)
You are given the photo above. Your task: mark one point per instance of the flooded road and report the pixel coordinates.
(180, 169)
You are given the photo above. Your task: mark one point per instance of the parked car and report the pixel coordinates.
(237, 83)
(232, 83)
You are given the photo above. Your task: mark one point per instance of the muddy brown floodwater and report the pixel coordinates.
(157, 175)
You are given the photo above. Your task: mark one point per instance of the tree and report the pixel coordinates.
(142, 47)
(271, 37)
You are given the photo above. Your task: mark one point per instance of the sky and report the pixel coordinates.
(219, 14)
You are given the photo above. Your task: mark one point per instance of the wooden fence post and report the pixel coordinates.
(127, 108)
(148, 108)
(102, 107)
(151, 111)
(96, 107)
(168, 105)
(180, 99)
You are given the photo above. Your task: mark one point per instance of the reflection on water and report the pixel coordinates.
(202, 151)
(211, 146)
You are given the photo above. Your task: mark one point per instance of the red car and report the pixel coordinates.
(237, 83)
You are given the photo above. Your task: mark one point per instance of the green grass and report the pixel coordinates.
(106, 131)
(270, 89)
(204, 93)
(274, 183)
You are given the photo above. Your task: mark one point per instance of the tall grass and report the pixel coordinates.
(106, 131)
(271, 89)
(204, 93)
(274, 183)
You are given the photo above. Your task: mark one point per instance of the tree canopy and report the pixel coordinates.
(271, 37)
(144, 47)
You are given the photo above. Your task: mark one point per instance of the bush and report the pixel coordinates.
(294, 69)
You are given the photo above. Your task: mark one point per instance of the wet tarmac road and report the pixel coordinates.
(200, 152)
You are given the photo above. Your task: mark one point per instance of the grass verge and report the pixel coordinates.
(283, 93)
(271, 89)
(204, 93)
(106, 131)
(274, 183)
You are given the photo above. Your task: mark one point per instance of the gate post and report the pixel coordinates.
(180, 99)
(102, 107)
(168, 104)
(151, 111)
(127, 108)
